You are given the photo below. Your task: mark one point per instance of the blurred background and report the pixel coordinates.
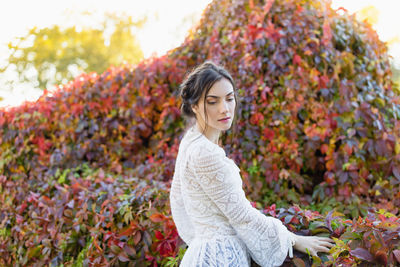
(45, 43)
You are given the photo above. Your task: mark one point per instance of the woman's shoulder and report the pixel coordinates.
(203, 147)
(198, 145)
(206, 156)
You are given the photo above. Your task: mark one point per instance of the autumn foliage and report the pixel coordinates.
(85, 171)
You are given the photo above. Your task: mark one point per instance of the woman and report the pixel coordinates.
(208, 204)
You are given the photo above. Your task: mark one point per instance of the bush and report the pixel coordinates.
(318, 125)
(92, 217)
(372, 240)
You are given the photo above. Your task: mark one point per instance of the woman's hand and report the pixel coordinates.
(313, 244)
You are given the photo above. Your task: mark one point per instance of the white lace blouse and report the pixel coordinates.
(212, 214)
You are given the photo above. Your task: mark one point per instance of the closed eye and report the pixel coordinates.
(212, 103)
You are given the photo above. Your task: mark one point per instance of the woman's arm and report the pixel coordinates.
(267, 239)
(179, 214)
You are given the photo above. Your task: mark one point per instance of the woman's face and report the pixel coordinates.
(220, 104)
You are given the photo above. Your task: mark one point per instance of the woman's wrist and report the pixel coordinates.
(293, 238)
(292, 242)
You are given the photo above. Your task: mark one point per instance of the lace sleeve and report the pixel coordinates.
(267, 239)
(180, 217)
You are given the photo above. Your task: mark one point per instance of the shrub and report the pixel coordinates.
(92, 217)
(318, 126)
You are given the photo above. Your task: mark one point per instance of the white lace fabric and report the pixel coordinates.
(213, 215)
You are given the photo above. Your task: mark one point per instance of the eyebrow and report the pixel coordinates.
(214, 96)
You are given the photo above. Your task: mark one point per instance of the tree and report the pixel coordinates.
(54, 55)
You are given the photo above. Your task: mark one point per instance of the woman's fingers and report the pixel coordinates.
(322, 244)
(326, 244)
(322, 249)
(326, 239)
(314, 244)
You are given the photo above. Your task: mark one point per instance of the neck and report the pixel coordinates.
(211, 134)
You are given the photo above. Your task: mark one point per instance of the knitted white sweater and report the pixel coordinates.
(212, 214)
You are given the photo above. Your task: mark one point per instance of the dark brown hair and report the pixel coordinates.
(201, 79)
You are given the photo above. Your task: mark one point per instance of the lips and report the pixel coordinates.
(227, 118)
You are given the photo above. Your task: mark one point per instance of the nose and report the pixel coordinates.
(224, 106)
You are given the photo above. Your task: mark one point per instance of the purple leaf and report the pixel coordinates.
(288, 218)
(396, 172)
(328, 220)
(396, 253)
(362, 253)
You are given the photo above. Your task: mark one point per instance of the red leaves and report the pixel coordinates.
(323, 81)
(378, 237)
(255, 32)
(157, 217)
(271, 32)
(165, 248)
(381, 257)
(264, 93)
(327, 33)
(257, 118)
(89, 208)
(106, 104)
(165, 242)
(19, 219)
(42, 144)
(159, 235)
(267, 6)
(76, 109)
(258, 31)
(132, 228)
(94, 105)
(22, 207)
(366, 239)
(269, 134)
(271, 210)
(214, 36)
(3, 118)
(296, 59)
(318, 111)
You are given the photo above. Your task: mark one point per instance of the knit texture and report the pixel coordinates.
(213, 215)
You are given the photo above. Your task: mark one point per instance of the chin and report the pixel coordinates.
(224, 128)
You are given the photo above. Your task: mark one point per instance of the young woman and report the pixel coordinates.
(208, 204)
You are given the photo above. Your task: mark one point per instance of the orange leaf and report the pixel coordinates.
(97, 245)
(327, 33)
(137, 237)
(324, 148)
(298, 262)
(157, 217)
(127, 231)
(330, 165)
(251, 4)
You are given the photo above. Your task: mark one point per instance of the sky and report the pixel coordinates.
(166, 27)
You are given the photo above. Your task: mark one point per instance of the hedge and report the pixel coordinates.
(86, 169)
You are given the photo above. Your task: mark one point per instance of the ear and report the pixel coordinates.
(195, 109)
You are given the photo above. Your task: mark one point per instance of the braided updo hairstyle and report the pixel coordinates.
(201, 79)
